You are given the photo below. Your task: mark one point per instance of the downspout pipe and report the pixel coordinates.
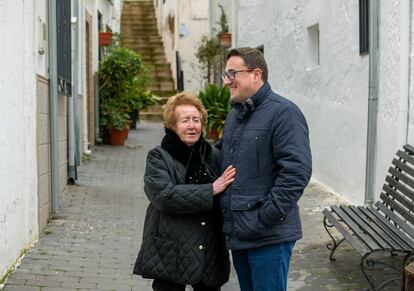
(234, 18)
(54, 121)
(72, 99)
(75, 79)
(212, 18)
(372, 104)
(403, 99)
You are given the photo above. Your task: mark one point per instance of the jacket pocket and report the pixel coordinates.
(158, 259)
(246, 221)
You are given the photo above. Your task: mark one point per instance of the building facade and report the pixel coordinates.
(313, 49)
(182, 24)
(47, 102)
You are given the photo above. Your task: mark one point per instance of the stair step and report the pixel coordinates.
(139, 27)
(161, 87)
(156, 59)
(162, 74)
(138, 21)
(139, 30)
(138, 41)
(151, 116)
(138, 13)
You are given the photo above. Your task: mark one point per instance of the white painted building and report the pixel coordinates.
(28, 142)
(182, 23)
(312, 49)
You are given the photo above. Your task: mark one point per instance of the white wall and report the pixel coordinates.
(18, 172)
(108, 13)
(40, 38)
(195, 15)
(389, 84)
(334, 95)
(116, 18)
(411, 85)
(165, 11)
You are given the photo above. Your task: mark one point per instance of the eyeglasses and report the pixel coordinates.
(231, 75)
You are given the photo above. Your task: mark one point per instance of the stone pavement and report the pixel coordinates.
(94, 242)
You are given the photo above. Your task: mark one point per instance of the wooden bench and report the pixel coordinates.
(388, 226)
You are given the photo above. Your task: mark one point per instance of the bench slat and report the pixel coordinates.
(377, 233)
(406, 156)
(360, 248)
(403, 202)
(363, 237)
(404, 190)
(401, 176)
(397, 207)
(367, 226)
(401, 165)
(409, 149)
(388, 228)
(409, 230)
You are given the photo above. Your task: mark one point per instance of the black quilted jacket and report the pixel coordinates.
(182, 239)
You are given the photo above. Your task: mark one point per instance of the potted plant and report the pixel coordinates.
(105, 38)
(118, 72)
(208, 49)
(140, 98)
(114, 121)
(224, 34)
(217, 102)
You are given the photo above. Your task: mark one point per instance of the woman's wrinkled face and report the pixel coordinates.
(188, 124)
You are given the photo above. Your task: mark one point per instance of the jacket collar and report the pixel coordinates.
(181, 152)
(251, 103)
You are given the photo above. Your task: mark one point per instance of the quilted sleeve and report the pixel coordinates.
(168, 197)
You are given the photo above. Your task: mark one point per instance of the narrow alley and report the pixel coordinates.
(94, 242)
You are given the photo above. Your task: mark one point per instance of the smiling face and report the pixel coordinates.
(245, 83)
(188, 124)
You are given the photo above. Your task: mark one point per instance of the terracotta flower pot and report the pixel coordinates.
(117, 137)
(225, 39)
(105, 38)
(126, 132)
(213, 134)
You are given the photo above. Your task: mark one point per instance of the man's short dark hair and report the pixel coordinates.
(253, 58)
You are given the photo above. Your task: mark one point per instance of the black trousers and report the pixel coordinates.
(163, 285)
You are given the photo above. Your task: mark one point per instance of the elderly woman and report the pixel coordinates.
(182, 239)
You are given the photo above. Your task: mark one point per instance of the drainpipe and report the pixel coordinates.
(372, 103)
(72, 99)
(75, 81)
(212, 18)
(404, 72)
(234, 15)
(54, 121)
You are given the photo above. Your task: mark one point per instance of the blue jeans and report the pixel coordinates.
(264, 268)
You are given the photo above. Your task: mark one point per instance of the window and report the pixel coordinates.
(363, 27)
(312, 58)
(64, 57)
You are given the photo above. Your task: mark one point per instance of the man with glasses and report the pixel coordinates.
(266, 139)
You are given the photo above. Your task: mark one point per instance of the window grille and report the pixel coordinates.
(64, 57)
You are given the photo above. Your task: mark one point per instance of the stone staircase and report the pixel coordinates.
(139, 32)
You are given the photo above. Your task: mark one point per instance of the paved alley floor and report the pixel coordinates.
(94, 242)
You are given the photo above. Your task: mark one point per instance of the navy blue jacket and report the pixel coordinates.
(267, 140)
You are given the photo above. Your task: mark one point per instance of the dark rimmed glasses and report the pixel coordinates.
(231, 75)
